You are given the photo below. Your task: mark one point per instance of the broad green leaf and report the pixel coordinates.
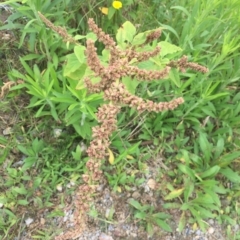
(230, 175)
(22, 202)
(182, 222)
(131, 84)
(189, 187)
(126, 33)
(162, 224)
(215, 96)
(27, 68)
(139, 39)
(210, 172)
(171, 205)
(185, 206)
(73, 64)
(174, 76)
(111, 11)
(174, 194)
(24, 150)
(161, 215)
(91, 36)
(181, 9)
(79, 52)
(20, 190)
(220, 189)
(168, 48)
(185, 169)
(135, 204)
(150, 229)
(205, 147)
(140, 215)
(204, 199)
(226, 159)
(28, 162)
(214, 196)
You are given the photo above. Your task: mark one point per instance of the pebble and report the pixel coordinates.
(7, 131)
(104, 236)
(211, 221)
(136, 195)
(28, 221)
(57, 132)
(211, 230)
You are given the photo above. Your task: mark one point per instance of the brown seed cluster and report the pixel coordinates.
(119, 95)
(59, 30)
(183, 64)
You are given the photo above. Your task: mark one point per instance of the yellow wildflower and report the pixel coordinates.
(104, 10)
(117, 4)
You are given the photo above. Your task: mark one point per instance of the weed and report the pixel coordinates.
(198, 142)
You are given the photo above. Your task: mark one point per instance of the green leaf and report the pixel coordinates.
(171, 205)
(182, 222)
(189, 187)
(205, 146)
(131, 84)
(230, 175)
(219, 148)
(168, 48)
(219, 95)
(79, 52)
(73, 64)
(185, 169)
(204, 199)
(139, 39)
(111, 11)
(23, 202)
(135, 204)
(150, 229)
(24, 150)
(28, 162)
(204, 212)
(140, 215)
(174, 76)
(228, 158)
(162, 224)
(27, 68)
(126, 33)
(161, 215)
(210, 172)
(20, 190)
(174, 194)
(214, 196)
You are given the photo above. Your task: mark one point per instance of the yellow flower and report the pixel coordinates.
(117, 4)
(104, 10)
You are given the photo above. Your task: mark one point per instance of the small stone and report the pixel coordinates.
(1, 205)
(57, 132)
(211, 230)
(198, 232)
(136, 195)
(59, 187)
(211, 221)
(72, 183)
(104, 236)
(7, 131)
(42, 221)
(236, 228)
(28, 221)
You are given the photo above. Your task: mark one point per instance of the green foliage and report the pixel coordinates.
(199, 141)
(146, 214)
